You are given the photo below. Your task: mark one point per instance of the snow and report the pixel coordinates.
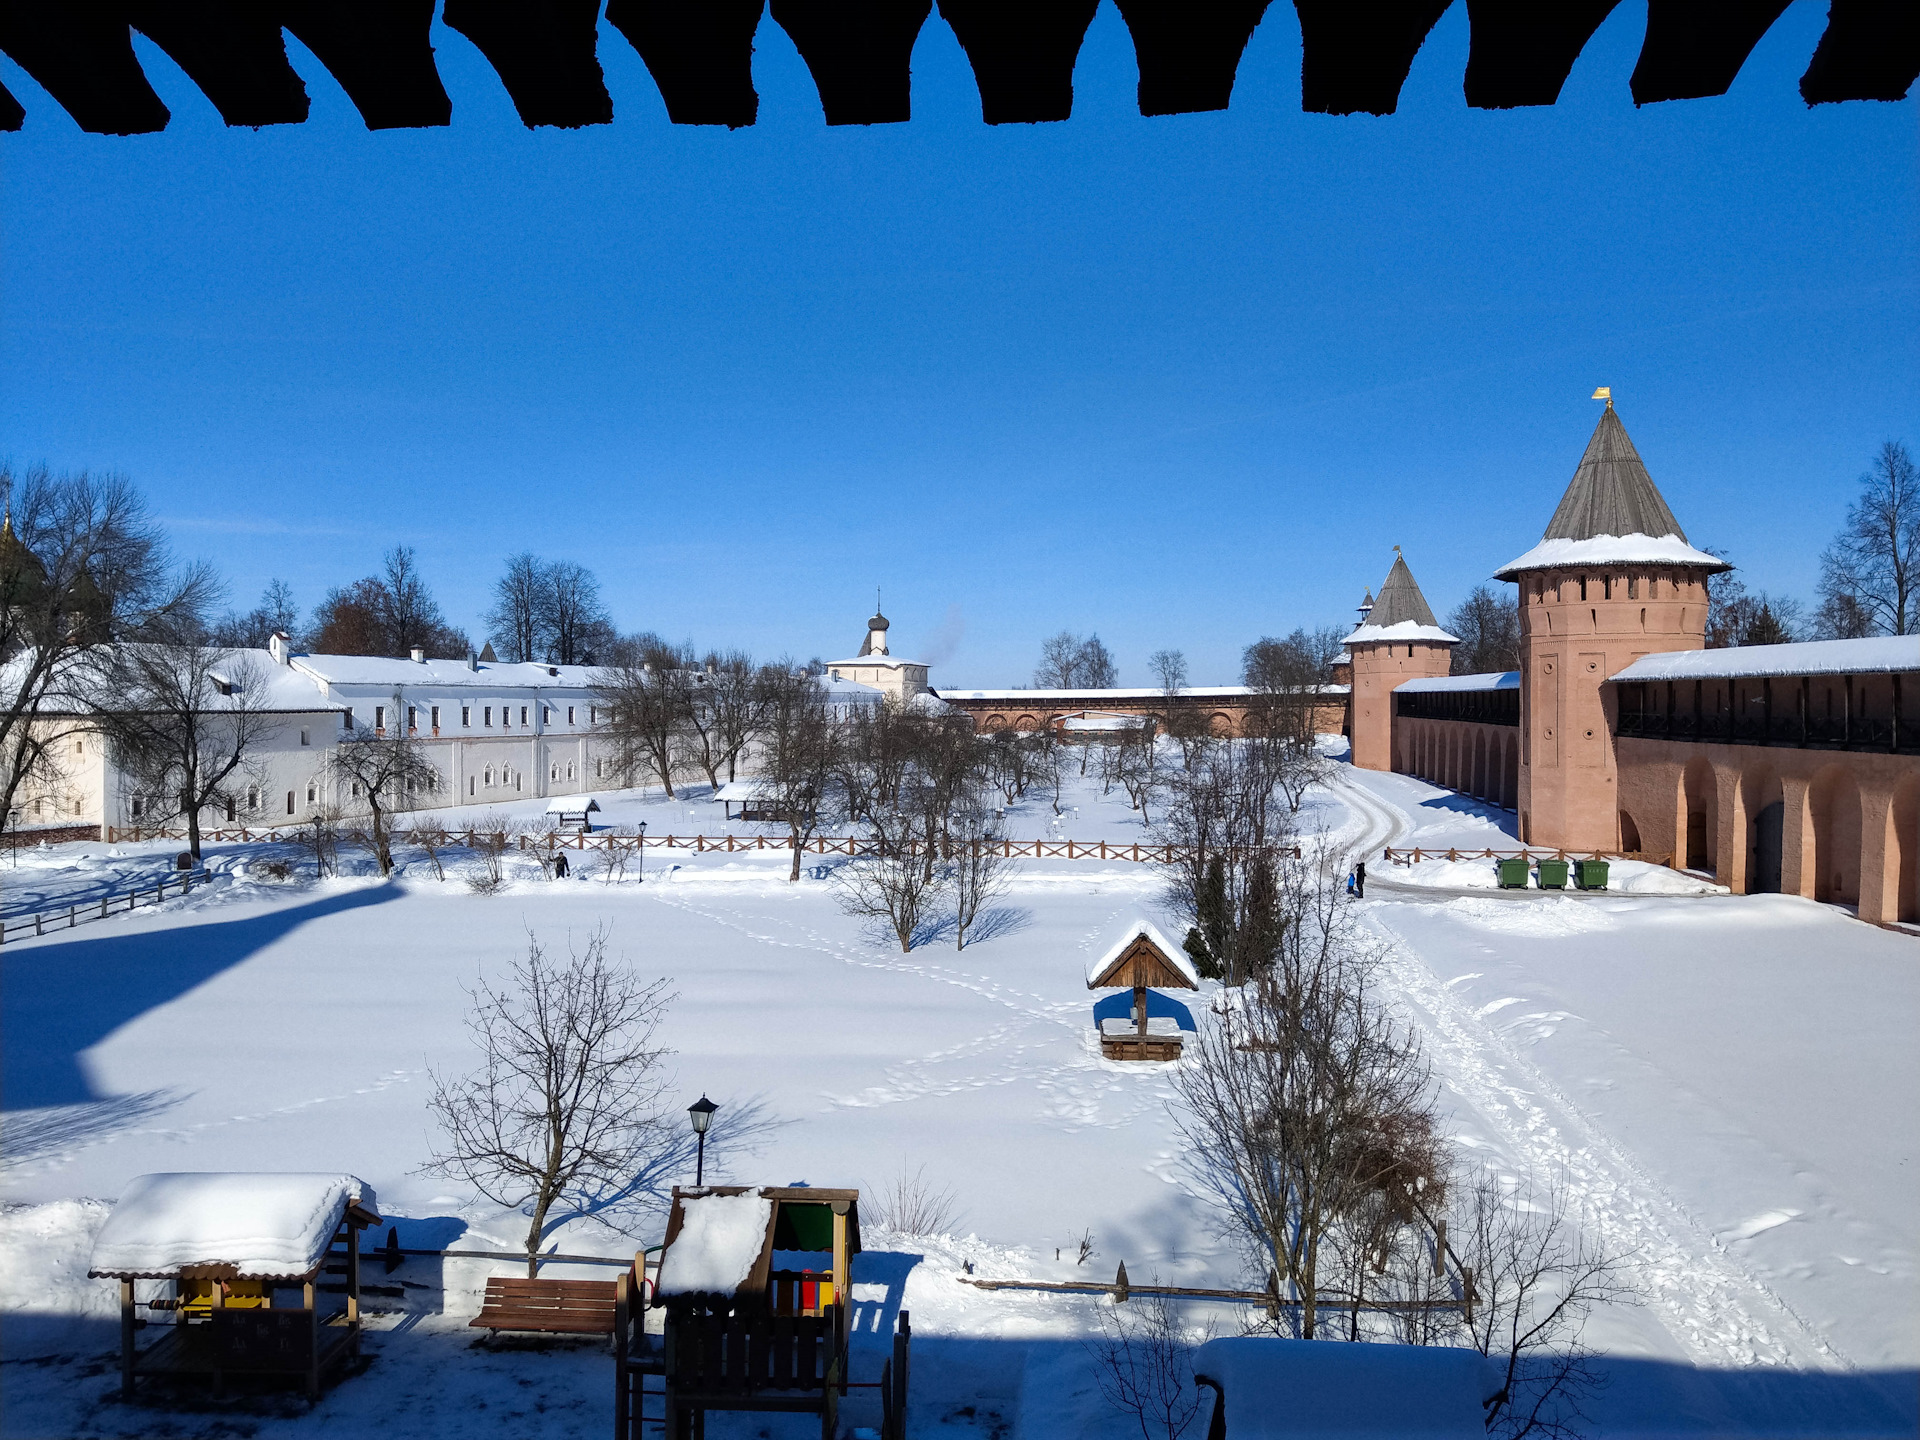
(1275, 1388)
(261, 1224)
(381, 672)
(1137, 927)
(1695, 1066)
(1624, 877)
(1610, 550)
(573, 805)
(1399, 632)
(1878, 654)
(720, 1238)
(1504, 680)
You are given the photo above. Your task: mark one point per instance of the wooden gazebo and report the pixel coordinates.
(234, 1246)
(739, 1333)
(1142, 960)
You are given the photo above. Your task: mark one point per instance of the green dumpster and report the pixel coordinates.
(1590, 874)
(1512, 873)
(1553, 874)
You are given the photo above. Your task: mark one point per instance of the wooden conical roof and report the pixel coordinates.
(1611, 492)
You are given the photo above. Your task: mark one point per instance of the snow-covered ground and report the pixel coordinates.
(1727, 1083)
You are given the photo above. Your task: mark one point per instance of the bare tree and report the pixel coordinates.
(387, 614)
(1535, 1278)
(1305, 1097)
(1169, 667)
(799, 756)
(568, 1091)
(571, 614)
(1059, 667)
(1488, 624)
(891, 885)
(320, 838)
(184, 721)
(736, 704)
(381, 766)
(647, 704)
(276, 614)
(979, 871)
(1872, 568)
(1143, 1364)
(1229, 838)
(1096, 668)
(81, 563)
(514, 620)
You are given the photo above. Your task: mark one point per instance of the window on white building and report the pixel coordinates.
(546, 715)
(436, 718)
(470, 785)
(230, 812)
(569, 714)
(489, 777)
(79, 747)
(486, 717)
(466, 717)
(313, 793)
(523, 714)
(306, 738)
(137, 807)
(593, 714)
(253, 797)
(553, 771)
(413, 717)
(379, 717)
(289, 802)
(569, 770)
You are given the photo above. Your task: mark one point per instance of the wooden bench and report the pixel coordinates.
(552, 1307)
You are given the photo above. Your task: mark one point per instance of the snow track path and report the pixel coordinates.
(1716, 1309)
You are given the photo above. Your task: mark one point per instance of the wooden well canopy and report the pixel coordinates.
(1354, 56)
(1142, 960)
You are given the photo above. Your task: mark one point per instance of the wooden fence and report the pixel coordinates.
(1417, 854)
(80, 914)
(1133, 852)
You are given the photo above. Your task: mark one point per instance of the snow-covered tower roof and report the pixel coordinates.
(1399, 612)
(1611, 513)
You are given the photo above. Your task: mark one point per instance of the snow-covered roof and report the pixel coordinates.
(1137, 927)
(1272, 1387)
(572, 805)
(1118, 693)
(386, 673)
(1610, 550)
(1877, 655)
(739, 790)
(1103, 720)
(1400, 632)
(263, 1225)
(273, 688)
(851, 692)
(720, 1238)
(1503, 680)
(891, 661)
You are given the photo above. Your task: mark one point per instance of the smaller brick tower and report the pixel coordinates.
(1613, 579)
(1397, 641)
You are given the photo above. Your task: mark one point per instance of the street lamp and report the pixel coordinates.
(640, 875)
(701, 1114)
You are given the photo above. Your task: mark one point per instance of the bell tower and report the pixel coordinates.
(1613, 578)
(1397, 641)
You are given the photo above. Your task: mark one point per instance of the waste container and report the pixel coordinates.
(1553, 874)
(1512, 873)
(1590, 874)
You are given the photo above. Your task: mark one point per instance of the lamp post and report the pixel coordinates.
(640, 854)
(701, 1114)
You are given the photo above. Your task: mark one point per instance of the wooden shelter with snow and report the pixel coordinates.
(1151, 1027)
(755, 1285)
(573, 812)
(244, 1255)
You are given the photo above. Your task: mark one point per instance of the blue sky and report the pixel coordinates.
(1184, 381)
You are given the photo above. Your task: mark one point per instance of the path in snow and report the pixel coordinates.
(1713, 1306)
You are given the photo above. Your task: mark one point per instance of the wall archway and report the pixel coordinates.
(1903, 849)
(1480, 785)
(1026, 724)
(994, 724)
(1629, 834)
(1221, 723)
(1699, 804)
(1766, 809)
(1835, 803)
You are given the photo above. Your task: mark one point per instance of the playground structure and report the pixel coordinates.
(737, 1333)
(233, 1246)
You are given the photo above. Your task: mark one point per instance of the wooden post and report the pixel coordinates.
(902, 1351)
(1439, 1248)
(622, 1311)
(842, 1264)
(1140, 1011)
(308, 1293)
(353, 1281)
(1120, 1287)
(126, 1339)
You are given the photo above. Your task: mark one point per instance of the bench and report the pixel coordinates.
(552, 1307)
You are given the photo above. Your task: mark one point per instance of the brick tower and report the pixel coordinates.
(1612, 579)
(1397, 641)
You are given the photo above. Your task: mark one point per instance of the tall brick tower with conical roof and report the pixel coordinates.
(1398, 640)
(1613, 578)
